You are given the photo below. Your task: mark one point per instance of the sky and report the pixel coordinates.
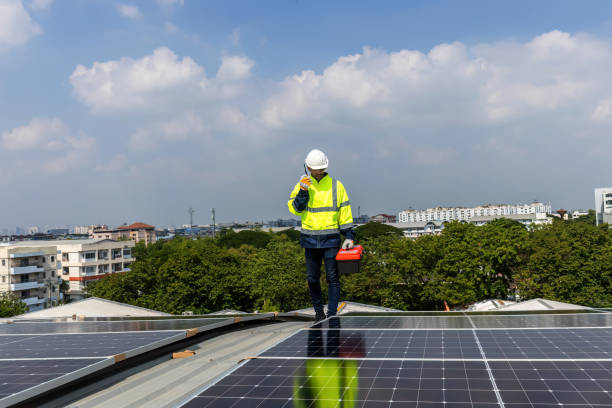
(125, 111)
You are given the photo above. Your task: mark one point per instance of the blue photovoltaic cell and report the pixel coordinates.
(571, 343)
(378, 344)
(396, 322)
(554, 383)
(19, 375)
(77, 345)
(546, 320)
(111, 326)
(283, 383)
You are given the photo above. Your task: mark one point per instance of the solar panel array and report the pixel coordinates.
(39, 356)
(520, 361)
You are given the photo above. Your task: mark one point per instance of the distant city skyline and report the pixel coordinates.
(117, 112)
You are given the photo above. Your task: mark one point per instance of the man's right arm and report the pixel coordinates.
(298, 200)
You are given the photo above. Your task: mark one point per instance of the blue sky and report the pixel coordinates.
(118, 111)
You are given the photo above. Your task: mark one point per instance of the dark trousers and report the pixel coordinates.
(314, 257)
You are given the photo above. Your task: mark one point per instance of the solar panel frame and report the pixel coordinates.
(554, 383)
(166, 337)
(550, 344)
(392, 383)
(49, 385)
(374, 344)
(468, 321)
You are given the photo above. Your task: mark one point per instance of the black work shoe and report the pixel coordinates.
(319, 316)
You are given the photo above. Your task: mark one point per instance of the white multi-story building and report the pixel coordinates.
(603, 205)
(34, 270)
(81, 229)
(86, 260)
(28, 269)
(579, 213)
(466, 213)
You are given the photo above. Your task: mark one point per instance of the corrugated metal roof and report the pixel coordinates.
(92, 307)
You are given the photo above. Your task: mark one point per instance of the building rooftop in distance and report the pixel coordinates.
(92, 307)
(54, 242)
(528, 305)
(136, 225)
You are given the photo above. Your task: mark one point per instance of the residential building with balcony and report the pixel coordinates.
(603, 205)
(466, 213)
(138, 232)
(87, 260)
(28, 269)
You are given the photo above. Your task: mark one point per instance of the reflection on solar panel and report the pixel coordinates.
(379, 344)
(78, 345)
(550, 320)
(523, 361)
(358, 383)
(399, 322)
(36, 357)
(115, 326)
(19, 375)
(470, 321)
(554, 383)
(548, 343)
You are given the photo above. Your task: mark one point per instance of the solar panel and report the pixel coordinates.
(570, 343)
(19, 375)
(468, 321)
(43, 355)
(554, 383)
(396, 322)
(515, 361)
(549, 320)
(111, 326)
(79, 345)
(292, 383)
(379, 344)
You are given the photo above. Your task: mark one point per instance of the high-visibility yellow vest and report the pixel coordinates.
(329, 383)
(328, 210)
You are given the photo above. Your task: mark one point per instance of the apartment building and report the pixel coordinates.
(466, 213)
(603, 205)
(138, 232)
(87, 260)
(28, 269)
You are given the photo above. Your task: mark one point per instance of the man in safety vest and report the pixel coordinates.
(324, 206)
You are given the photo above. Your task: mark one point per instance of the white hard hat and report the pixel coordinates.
(316, 160)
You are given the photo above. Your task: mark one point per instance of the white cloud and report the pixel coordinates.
(50, 142)
(184, 126)
(117, 163)
(40, 133)
(235, 68)
(16, 25)
(40, 5)
(154, 80)
(75, 152)
(483, 84)
(170, 28)
(128, 11)
(235, 36)
(171, 2)
(603, 111)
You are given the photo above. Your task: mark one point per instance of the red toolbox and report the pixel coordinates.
(349, 260)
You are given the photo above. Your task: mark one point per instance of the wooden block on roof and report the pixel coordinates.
(183, 354)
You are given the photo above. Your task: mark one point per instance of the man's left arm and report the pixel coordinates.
(345, 215)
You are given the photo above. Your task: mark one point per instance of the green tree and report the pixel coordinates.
(231, 239)
(11, 305)
(569, 262)
(376, 229)
(279, 276)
